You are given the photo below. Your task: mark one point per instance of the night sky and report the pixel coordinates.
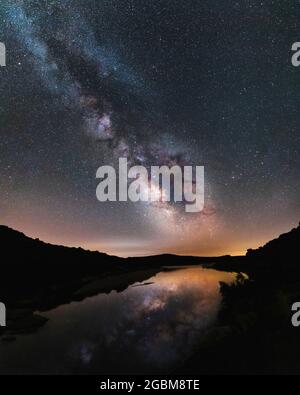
(158, 82)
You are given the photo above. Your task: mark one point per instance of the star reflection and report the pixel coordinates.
(146, 329)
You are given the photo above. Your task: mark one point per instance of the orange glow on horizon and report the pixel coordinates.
(131, 247)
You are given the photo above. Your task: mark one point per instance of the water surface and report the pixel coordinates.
(149, 328)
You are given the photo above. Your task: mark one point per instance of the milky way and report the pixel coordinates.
(160, 83)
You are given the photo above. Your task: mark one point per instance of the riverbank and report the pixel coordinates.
(255, 334)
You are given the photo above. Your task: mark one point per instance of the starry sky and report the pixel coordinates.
(160, 82)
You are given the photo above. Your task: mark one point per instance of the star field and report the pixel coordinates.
(160, 82)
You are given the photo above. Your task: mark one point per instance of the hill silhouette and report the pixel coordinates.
(26, 254)
(278, 249)
(27, 258)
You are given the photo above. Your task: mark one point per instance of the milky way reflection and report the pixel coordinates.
(148, 328)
